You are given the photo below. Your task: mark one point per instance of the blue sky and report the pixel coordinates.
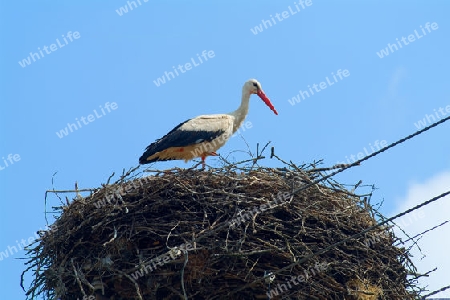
(114, 57)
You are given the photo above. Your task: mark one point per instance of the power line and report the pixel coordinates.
(435, 292)
(356, 163)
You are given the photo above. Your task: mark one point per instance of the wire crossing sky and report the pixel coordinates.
(85, 87)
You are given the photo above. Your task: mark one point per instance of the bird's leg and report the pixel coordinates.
(203, 162)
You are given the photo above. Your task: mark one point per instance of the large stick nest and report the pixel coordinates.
(222, 233)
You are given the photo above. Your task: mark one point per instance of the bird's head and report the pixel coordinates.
(252, 86)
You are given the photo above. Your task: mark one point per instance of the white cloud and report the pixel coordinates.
(394, 83)
(392, 100)
(435, 244)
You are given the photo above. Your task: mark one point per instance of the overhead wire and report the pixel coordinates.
(357, 235)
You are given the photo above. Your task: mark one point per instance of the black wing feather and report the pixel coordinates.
(178, 138)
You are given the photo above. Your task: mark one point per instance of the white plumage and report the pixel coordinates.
(204, 135)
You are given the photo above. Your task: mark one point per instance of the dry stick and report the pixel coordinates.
(77, 278)
(125, 174)
(254, 160)
(109, 178)
(70, 191)
(234, 165)
(248, 147)
(352, 237)
(263, 149)
(426, 274)
(422, 233)
(186, 259)
(60, 191)
(405, 233)
(136, 286)
(45, 199)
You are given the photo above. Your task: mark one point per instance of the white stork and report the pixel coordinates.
(203, 135)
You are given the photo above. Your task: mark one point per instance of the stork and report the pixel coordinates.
(204, 135)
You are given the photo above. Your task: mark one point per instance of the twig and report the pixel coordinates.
(422, 233)
(70, 191)
(77, 278)
(182, 273)
(136, 286)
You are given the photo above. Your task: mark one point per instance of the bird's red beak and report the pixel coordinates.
(266, 100)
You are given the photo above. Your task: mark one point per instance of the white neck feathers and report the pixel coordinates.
(242, 111)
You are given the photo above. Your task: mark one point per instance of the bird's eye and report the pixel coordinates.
(255, 84)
